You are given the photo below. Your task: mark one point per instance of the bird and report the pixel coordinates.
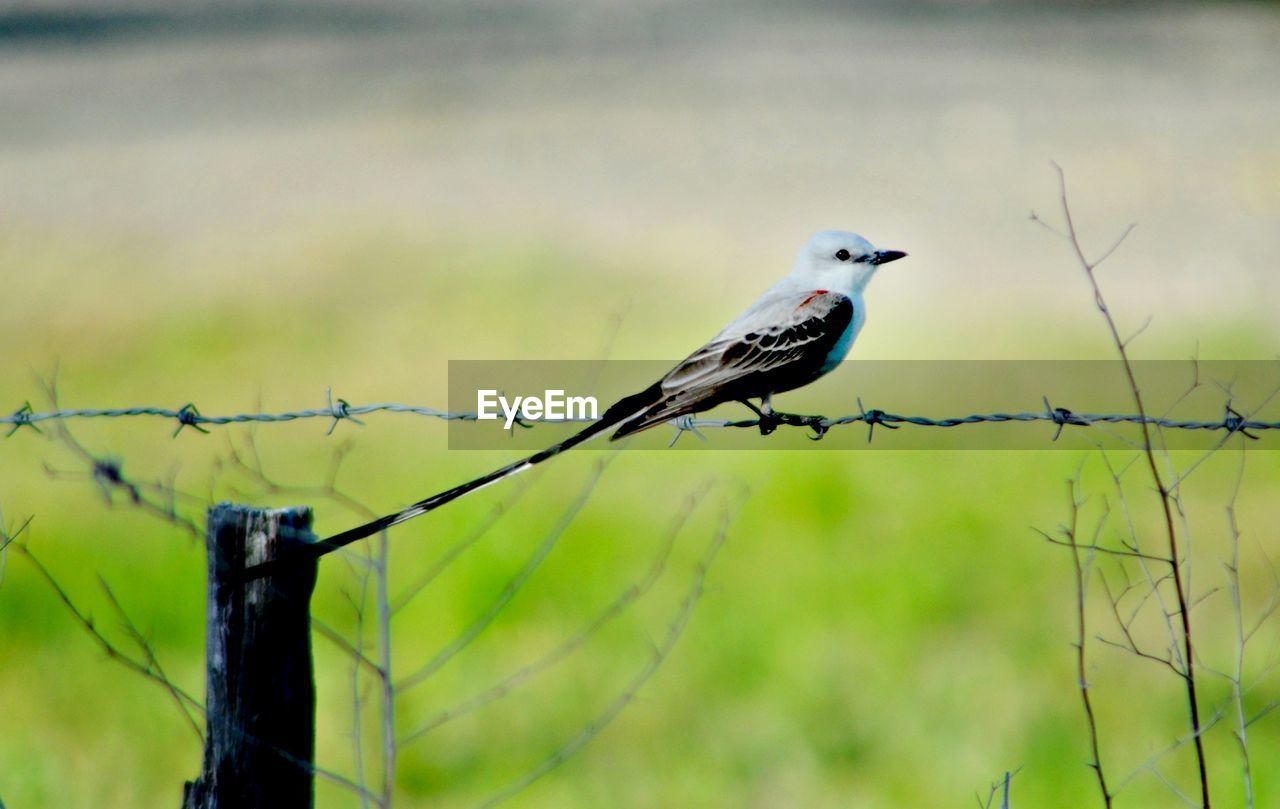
(797, 331)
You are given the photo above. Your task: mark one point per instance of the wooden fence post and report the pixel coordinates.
(260, 694)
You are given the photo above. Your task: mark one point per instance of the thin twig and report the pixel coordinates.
(108, 474)
(508, 592)
(7, 537)
(103, 642)
(1081, 570)
(350, 649)
(381, 572)
(1157, 478)
(1237, 678)
(1001, 788)
(1151, 761)
(474, 535)
(357, 694)
(655, 661)
(152, 662)
(630, 595)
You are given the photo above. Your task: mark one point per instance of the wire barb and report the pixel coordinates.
(22, 418)
(338, 411)
(1061, 416)
(1233, 422)
(873, 417)
(685, 424)
(189, 416)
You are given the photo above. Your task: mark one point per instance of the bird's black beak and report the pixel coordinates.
(885, 256)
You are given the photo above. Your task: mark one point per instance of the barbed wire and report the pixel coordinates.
(190, 416)
(339, 410)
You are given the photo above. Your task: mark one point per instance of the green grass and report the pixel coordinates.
(881, 628)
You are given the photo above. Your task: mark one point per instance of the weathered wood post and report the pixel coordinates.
(260, 695)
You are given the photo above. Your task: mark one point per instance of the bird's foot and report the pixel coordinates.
(771, 420)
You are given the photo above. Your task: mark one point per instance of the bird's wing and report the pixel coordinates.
(779, 345)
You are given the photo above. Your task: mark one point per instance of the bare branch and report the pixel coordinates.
(1237, 608)
(382, 572)
(631, 594)
(103, 642)
(351, 650)
(7, 537)
(1093, 548)
(179, 697)
(1106, 254)
(1180, 591)
(1082, 568)
(357, 695)
(508, 592)
(656, 658)
(477, 532)
(1000, 787)
(1151, 762)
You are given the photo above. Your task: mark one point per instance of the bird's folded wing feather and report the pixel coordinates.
(793, 333)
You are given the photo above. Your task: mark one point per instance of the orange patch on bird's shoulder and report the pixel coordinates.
(817, 293)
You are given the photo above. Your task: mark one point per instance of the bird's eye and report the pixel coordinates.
(842, 254)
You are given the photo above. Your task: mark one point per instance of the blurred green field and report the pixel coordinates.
(881, 628)
(242, 221)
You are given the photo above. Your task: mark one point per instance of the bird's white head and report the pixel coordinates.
(839, 261)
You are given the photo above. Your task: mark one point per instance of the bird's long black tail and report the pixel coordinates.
(615, 415)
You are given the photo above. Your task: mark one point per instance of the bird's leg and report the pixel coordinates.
(768, 421)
